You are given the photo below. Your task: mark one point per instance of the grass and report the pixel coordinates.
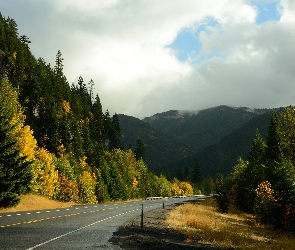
(36, 202)
(202, 223)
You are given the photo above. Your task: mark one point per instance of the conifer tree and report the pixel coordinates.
(258, 150)
(98, 118)
(15, 173)
(115, 134)
(251, 174)
(274, 140)
(139, 150)
(197, 174)
(15, 167)
(101, 190)
(288, 132)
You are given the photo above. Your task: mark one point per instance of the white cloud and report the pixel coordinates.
(122, 46)
(288, 11)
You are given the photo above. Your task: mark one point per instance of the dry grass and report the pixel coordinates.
(238, 230)
(36, 202)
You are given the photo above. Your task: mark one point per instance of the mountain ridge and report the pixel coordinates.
(175, 135)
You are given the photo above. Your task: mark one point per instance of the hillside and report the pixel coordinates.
(56, 141)
(215, 136)
(222, 156)
(202, 128)
(160, 149)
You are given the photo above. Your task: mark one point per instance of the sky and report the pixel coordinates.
(151, 56)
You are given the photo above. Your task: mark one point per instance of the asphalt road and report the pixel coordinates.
(77, 227)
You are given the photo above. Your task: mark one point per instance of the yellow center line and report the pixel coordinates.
(42, 219)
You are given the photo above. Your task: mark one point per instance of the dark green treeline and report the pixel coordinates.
(265, 184)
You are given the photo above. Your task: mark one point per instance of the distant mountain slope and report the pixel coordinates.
(203, 128)
(160, 149)
(222, 156)
(215, 136)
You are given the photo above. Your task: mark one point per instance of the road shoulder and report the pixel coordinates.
(155, 233)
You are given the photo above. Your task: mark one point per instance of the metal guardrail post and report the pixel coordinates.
(141, 223)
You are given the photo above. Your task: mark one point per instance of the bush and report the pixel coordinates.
(222, 190)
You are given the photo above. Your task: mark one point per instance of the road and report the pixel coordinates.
(77, 227)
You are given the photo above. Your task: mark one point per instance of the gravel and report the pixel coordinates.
(154, 234)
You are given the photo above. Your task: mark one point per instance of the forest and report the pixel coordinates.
(55, 139)
(264, 184)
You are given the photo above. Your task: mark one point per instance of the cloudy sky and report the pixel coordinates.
(150, 56)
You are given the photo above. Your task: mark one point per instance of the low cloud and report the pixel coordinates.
(124, 47)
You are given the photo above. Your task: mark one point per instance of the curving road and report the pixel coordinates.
(77, 227)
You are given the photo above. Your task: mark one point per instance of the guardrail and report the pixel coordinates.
(154, 198)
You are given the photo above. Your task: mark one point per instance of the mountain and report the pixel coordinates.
(215, 137)
(160, 149)
(202, 128)
(222, 156)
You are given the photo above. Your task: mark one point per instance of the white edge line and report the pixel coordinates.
(63, 235)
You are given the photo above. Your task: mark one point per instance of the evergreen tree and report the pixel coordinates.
(222, 189)
(107, 129)
(98, 122)
(274, 140)
(187, 174)
(288, 132)
(248, 175)
(112, 135)
(101, 188)
(115, 134)
(257, 151)
(139, 150)
(15, 173)
(282, 179)
(197, 174)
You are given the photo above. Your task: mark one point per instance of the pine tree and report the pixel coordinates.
(251, 174)
(101, 188)
(197, 174)
(222, 189)
(139, 150)
(98, 119)
(115, 134)
(112, 135)
(274, 140)
(258, 150)
(288, 132)
(15, 173)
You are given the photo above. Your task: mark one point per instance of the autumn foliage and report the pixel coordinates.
(55, 139)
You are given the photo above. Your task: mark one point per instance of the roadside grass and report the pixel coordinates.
(202, 223)
(36, 202)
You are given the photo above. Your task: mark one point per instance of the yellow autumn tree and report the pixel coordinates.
(87, 184)
(13, 110)
(10, 104)
(176, 190)
(45, 176)
(186, 188)
(26, 142)
(68, 189)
